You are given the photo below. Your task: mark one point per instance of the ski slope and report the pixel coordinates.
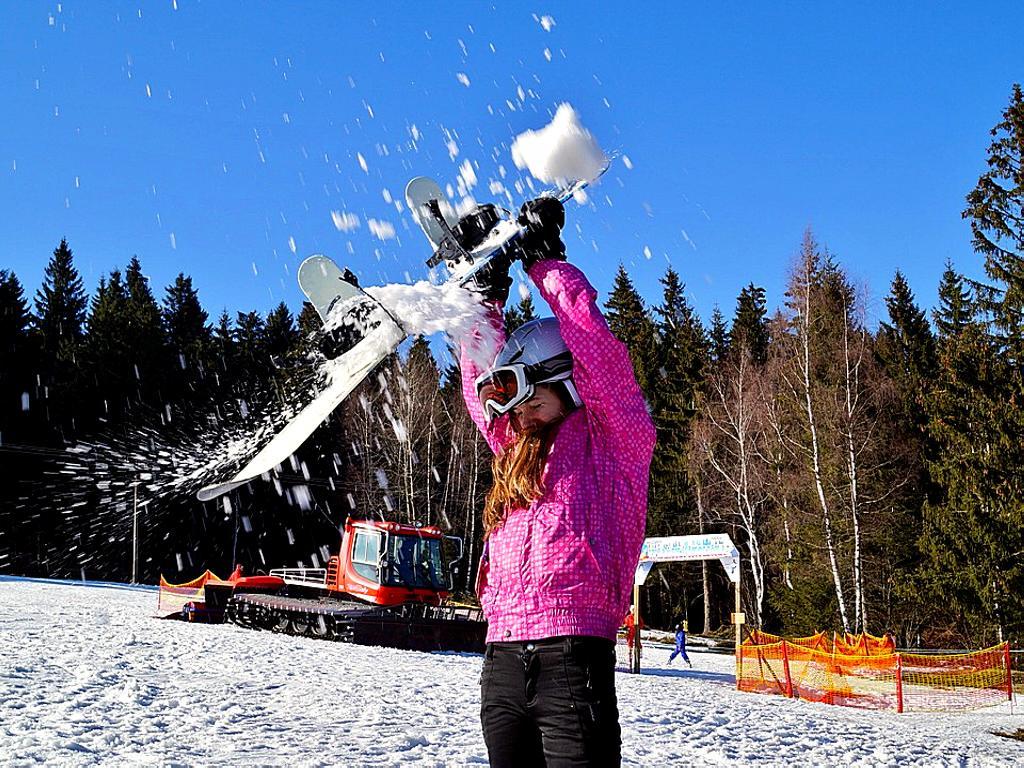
(87, 677)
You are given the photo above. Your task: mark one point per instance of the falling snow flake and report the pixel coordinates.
(467, 175)
(380, 229)
(344, 221)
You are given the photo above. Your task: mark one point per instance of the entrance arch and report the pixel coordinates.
(669, 549)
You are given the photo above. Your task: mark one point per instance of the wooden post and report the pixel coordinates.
(1009, 671)
(899, 683)
(634, 662)
(737, 619)
(785, 667)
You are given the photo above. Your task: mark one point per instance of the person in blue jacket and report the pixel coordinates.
(680, 645)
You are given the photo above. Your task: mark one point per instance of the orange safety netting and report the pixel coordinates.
(863, 645)
(901, 681)
(173, 597)
(852, 645)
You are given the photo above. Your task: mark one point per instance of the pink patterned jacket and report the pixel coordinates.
(564, 565)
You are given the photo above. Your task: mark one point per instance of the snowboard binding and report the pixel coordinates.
(465, 245)
(459, 241)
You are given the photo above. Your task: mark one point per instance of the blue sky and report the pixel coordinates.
(213, 137)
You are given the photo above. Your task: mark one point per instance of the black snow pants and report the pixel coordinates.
(550, 703)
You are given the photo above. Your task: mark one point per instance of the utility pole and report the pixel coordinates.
(135, 523)
(135, 530)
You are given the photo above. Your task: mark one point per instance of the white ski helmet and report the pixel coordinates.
(535, 353)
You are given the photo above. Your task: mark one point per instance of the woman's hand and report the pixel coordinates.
(543, 218)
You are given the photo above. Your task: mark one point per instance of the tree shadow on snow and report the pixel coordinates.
(723, 678)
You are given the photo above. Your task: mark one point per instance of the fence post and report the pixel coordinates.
(899, 683)
(785, 667)
(1009, 671)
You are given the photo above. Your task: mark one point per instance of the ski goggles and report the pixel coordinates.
(502, 389)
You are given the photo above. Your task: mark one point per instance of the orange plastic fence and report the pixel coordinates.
(850, 645)
(900, 681)
(173, 597)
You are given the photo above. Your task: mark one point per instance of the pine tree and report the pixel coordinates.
(955, 311)
(60, 305)
(224, 336)
(189, 340)
(224, 353)
(682, 355)
(973, 529)
(18, 424)
(519, 314)
(905, 346)
(905, 349)
(718, 336)
(629, 320)
(983, 379)
(309, 330)
(145, 335)
(682, 342)
(279, 335)
(14, 319)
(108, 315)
(16, 355)
(905, 343)
(185, 320)
(750, 325)
(995, 208)
(250, 362)
(309, 322)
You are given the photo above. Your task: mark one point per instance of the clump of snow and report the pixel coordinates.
(463, 78)
(562, 152)
(382, 230)
(344, 221)
(424, 308)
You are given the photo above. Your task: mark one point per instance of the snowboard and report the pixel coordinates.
(367, 334)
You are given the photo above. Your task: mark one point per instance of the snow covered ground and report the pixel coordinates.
(87, 677)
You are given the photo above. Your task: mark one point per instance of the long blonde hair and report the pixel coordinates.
(518, 475)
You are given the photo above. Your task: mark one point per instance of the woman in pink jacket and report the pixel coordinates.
(564, 521)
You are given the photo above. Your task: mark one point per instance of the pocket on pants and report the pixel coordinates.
(585, 698)
(590, 679)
